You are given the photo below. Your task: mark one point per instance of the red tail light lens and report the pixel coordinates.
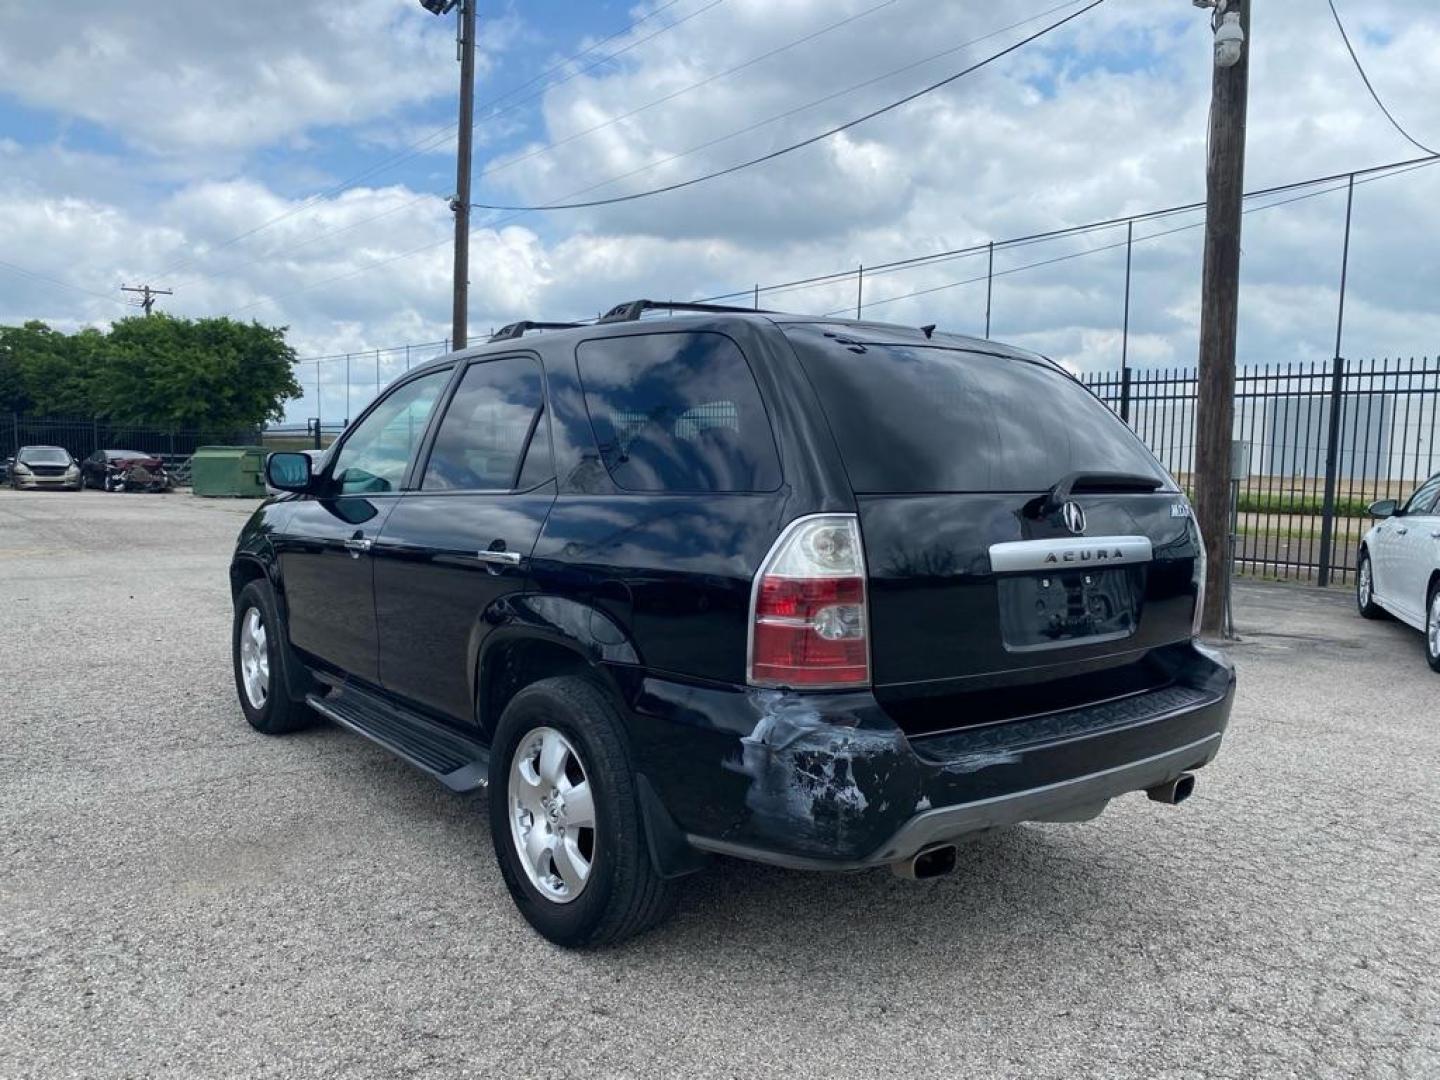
(809, 626)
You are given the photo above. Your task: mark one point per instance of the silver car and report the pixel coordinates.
(37, 467)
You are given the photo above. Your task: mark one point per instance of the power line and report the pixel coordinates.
(1393, 168)
(439, 135)
(833, 95)
(1368, 86)
(1113, 247)
(805, 142)
(16, 269)
(691, 150)
(502, 166)
(548, 147)
(1366, 175)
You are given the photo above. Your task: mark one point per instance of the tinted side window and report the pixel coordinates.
(677, 412)
(486, 428)
(376, 453)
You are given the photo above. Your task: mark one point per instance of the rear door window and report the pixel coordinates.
(926, 419)
(495, 414)
(677, 412)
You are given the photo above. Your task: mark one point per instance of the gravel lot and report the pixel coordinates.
(182, 897)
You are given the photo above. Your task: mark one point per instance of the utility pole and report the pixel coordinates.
(461, 203)
(1220, 297)
(147, 295)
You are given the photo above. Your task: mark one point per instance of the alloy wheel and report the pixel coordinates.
(254, 658)
(1432, 625)
(1365, 584)
(552, 814)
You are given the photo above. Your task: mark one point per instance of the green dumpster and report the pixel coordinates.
(228, 471)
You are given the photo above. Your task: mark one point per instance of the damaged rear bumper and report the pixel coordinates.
(828, 782)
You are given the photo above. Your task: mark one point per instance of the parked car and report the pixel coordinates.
(38, 467)
(818, 593)
(1399, 568)
(125, 470)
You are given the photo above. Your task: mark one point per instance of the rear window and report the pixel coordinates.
(912, 418)
(677, 412)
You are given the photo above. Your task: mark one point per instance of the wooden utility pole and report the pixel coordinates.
(147, 294)
(461, 203)
(1219, 308)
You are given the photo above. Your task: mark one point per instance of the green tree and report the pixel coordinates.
(53, 381)
(163, 371)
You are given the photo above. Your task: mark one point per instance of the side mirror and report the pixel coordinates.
(289, 472)
(1384, 508)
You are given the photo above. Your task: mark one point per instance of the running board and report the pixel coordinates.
(459, 762)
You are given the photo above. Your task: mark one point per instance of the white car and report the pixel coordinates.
(1399, 571)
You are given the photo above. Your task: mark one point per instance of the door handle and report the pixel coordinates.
(357, 546)
(1401, 530)
(1435, 535)
(499, 558)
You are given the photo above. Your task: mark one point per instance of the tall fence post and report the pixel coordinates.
(1332, 468)
(1125, 328)
(859, 289)
(989, 288)
(1337, 384)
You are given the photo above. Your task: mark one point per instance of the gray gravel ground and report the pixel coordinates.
(182, 897)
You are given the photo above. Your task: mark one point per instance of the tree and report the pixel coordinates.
(51, 381)
(163, 371)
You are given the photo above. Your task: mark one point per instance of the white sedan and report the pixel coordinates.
(1399, 571)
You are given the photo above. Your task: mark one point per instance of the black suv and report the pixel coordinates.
(818, 593)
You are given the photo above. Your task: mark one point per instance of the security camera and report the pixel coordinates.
(439, 7)
(1229, 41)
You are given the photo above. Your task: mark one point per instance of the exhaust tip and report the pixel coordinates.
(1174, 792)
(932, 862)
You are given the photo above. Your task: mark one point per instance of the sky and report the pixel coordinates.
(291, 163)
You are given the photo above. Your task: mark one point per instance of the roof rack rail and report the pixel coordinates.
(518, 329)
(633, 309)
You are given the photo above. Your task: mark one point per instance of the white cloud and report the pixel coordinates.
(1106, 117)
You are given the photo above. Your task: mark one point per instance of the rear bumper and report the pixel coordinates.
(827, 782)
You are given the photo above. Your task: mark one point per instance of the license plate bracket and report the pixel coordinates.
(1061, 608)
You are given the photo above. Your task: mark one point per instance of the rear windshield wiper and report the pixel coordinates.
(1108, 482)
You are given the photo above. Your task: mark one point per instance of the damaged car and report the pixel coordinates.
(125, 470)
(698, 581)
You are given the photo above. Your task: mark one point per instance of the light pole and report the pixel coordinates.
(460, 201)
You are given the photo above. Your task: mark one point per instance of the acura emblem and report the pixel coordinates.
(1074, 517)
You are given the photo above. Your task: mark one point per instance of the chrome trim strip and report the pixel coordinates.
(1069, 553)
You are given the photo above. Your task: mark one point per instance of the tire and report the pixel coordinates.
(622, 895)
(1432, 627)
(1365, 590)
(274, 712)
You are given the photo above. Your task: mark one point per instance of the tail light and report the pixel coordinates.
(809, 626)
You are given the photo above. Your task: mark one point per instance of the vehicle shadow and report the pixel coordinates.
(1015, 891)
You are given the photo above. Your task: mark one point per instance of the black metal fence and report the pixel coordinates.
(83, 436)
(1361, 430)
